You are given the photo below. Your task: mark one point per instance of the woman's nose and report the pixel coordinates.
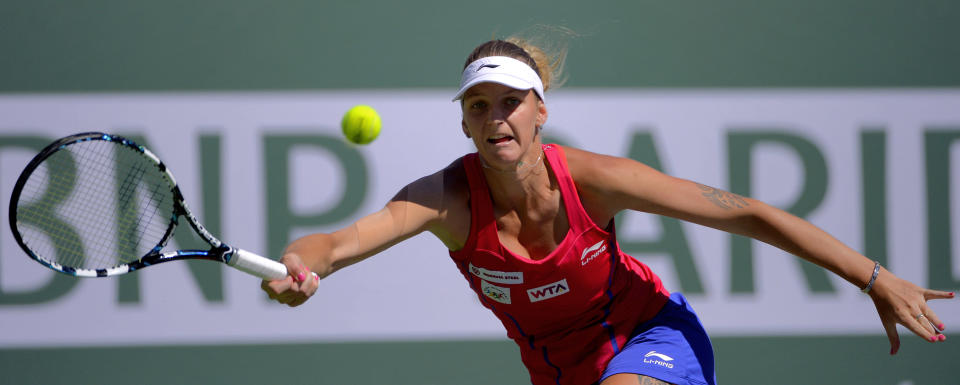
(499, 114)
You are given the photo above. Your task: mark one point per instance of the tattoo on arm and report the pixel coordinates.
(644, 380)
(723, 199)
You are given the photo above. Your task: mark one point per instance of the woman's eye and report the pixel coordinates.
(478, 105)
(513, 102)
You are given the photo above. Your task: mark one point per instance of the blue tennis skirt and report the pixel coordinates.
(671, 347)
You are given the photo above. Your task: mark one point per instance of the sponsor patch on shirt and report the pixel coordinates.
(505, 277)
(548, 291)
(592, 252)
(494, 292)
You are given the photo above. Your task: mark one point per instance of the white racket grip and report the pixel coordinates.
(262, 267)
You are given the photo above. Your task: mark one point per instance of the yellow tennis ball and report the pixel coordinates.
(361, 124)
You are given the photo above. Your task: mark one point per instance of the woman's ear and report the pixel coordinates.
(463, 125)
(541, 113)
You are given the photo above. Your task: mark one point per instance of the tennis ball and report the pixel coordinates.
(361, 124)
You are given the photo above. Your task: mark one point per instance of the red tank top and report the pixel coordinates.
(571, 311)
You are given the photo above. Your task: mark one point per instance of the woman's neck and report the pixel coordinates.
(521, 188)
(520, 168)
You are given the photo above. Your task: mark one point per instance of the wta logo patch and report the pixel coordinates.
(555, 289)
(494, 292)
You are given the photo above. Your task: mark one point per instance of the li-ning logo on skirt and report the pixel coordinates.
(658, 359)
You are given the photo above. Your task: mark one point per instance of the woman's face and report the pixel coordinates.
(503, 123)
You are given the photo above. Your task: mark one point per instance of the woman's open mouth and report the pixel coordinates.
(497, 139)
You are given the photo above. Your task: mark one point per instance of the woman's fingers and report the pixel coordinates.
(933, 323)
(937, 294)
(296, 288)
(930, 331)
(313, 283)
(933, 320)
(902, 302)
(924, 322)
(919, 326)
(929, 318)
(274, 288)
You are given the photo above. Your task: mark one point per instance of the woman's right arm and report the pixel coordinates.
(416, 208)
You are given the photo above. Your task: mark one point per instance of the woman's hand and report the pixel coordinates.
(297, 287)
(901, 302)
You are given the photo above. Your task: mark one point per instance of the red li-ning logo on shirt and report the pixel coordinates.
(548, 291)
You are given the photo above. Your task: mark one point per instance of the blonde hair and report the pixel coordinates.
(547, 55)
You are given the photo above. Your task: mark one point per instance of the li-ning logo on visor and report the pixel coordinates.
(487, 66)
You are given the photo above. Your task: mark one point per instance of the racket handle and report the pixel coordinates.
(254, 264)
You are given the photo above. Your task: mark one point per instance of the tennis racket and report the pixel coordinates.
(97, 205)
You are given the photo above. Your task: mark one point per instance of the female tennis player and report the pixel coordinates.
(531, 228)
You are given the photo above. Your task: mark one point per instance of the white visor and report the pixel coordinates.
(502, 70)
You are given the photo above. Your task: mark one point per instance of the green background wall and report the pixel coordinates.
(58, 46)
(254, 45)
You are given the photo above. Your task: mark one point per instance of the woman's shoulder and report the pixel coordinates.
(590, 168)
(444, 183)
(449, 192)
(592, 177)
(454, 178)
(608, 184)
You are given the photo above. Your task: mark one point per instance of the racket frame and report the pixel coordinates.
(220, 252)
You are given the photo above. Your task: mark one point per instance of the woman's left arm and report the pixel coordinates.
(610, 185)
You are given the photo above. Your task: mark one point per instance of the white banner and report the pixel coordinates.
(413, 291)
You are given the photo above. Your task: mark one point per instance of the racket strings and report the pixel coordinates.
(129, 220)
(95, 165)
(95, 204)
(139, 221)
(53, 183)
